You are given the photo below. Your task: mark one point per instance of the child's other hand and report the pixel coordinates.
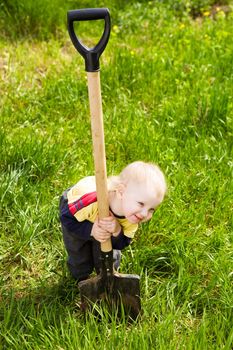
(111, 225)
(99, 233)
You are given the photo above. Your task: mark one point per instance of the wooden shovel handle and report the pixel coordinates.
(97, 129)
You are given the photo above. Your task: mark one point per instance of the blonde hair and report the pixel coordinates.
(141, 172)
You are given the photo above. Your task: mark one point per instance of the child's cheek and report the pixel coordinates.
(148, 217)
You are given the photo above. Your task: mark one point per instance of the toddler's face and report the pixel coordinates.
(138, 202)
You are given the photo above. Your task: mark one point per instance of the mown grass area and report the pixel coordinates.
(167, 97)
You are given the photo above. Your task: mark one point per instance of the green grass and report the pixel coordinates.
(167, 97)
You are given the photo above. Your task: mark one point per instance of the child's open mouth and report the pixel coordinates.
(136, 218)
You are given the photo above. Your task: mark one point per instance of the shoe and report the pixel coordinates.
(116, 259)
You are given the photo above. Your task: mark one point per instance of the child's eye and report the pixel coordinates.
(141, 204)
(152, 210)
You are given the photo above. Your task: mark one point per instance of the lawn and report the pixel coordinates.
(167, 89)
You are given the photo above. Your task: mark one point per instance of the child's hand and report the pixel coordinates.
(111, 225)
(99, 233)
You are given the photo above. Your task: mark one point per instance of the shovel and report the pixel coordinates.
(114, 288)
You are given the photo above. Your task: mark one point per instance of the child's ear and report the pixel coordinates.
(120, 190)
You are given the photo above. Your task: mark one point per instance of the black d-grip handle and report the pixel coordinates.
(91, 55)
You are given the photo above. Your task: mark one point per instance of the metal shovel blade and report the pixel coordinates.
(115, 289)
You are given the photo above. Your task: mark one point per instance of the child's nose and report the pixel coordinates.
(144, 213)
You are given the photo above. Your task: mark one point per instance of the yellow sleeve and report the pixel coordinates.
(129, 229)
(87, 213)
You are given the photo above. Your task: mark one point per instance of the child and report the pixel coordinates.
(133, 197)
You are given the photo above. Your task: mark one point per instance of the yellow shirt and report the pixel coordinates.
(90, 211)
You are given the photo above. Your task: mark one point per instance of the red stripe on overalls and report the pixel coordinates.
(82, 202)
